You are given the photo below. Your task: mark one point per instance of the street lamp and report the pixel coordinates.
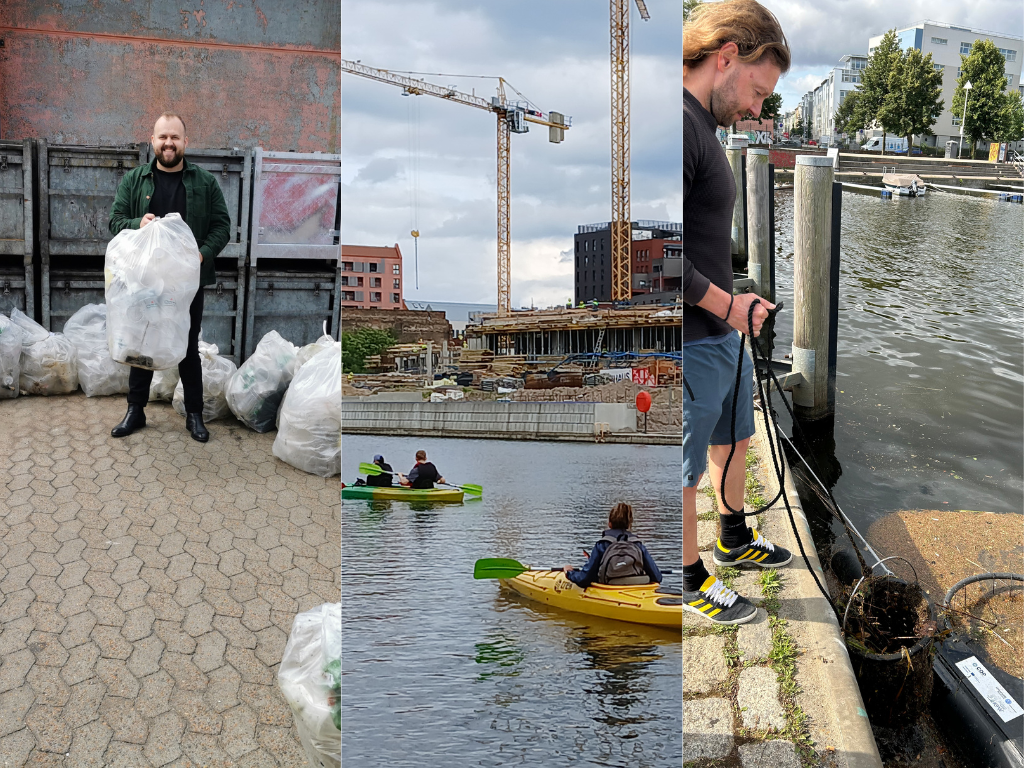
(967, 95)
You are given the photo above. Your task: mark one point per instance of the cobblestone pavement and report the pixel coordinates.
(734, 713)
(148, 586)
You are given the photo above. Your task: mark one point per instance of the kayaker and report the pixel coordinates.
(384, 479)
(618, 557)
(423, 475)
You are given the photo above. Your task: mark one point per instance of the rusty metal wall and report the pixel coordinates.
(241, 72)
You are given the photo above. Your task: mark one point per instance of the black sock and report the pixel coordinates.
(694, 576)
(734, 531)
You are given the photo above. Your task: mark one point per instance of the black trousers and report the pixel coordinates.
(190, 369)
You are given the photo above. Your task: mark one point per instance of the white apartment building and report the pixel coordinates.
(945, 42)
(823, 102)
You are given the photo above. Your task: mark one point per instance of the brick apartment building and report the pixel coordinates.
(371, 277)
(656, 256)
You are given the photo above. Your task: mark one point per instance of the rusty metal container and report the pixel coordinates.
(17, 194)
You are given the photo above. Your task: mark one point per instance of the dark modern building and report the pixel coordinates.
(656, 259)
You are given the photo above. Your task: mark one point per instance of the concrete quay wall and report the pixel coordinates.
(536, 421)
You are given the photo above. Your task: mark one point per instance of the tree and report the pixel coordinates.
(356, 346)
(985, 68)
(798, 129)
(914, 101)
(688, 8)
(771, 107)
(874, 86)
(848, 118)
(1012, 126)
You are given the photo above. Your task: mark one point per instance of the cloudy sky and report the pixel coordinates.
(421, 162)
(820, 32)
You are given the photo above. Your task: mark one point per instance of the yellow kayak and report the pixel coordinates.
(399, 493)
(641, 604)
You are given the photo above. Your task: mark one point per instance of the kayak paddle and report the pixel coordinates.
(506, 568)
(373, 469)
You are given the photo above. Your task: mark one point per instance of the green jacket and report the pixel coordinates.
(207, 213)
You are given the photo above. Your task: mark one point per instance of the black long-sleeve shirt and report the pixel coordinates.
(709, 193)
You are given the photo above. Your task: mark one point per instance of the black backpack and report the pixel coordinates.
(622, 562)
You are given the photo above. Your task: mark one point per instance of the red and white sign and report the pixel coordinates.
(644, 377)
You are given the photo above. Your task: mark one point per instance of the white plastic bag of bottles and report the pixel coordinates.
(98, 374)
(306, 353)
(152, 275)
(49, 362)
(217, 371)
(10, 358)
(309, 422)
(255, 391)
(164, 382)
(310, 679)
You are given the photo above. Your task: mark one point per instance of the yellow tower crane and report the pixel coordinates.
(512, 118)
(621, 227)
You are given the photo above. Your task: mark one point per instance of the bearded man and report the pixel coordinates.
(733, 55)
(171, 184)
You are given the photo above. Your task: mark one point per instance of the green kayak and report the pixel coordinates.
(398, 493)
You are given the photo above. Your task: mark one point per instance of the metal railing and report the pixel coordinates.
(1018, 162)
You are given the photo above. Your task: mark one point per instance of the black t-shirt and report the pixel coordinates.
(382, 480)
(709, 192)
(168, 194)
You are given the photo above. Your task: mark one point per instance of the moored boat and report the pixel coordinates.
(906, 184)
(650, 604)
(399, 493)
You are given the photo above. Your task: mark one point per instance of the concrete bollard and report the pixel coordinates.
(812, 252)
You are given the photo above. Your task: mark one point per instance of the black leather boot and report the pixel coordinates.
(194, 424)
(133, 420)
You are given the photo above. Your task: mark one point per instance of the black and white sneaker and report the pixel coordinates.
(718, 604)
(760, 552)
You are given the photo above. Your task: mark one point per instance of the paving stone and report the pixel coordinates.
(154, 697)
(81, 664)
(282, 743)
(14, 668)
(707, 729)
(121, 755)
(145, 656)
(198, 619)
(14, 705)
(117, 678)
(198, 715)
(268, 703)
(707, 534)
(138, 623)
(239, 735)
(49, 728)
(125, 719)
(758, 699)
(16, 747)
(754, 638)
(48, 686)
(210, 649)
(769, 754)
(704, 663)
(84, 703)
(222, 692)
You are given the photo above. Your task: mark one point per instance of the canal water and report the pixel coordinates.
(930, 383)
(442, 670)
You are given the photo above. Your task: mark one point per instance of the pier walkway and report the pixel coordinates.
(777, 692)
(148, 586)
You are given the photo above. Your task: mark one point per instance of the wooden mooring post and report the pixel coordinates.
(734, 152)
(812, 286)
(759, 233)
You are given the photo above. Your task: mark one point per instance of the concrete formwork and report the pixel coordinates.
(241, 74)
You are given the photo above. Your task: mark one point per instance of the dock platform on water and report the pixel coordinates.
(999, 194)
(866, 189)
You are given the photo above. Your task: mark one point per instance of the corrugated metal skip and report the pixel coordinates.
(242, 74)
(296, 215)
(16, 231)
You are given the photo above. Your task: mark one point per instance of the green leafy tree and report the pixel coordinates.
(771, 107)
(914, 101)
(688, 8)
(848, 118)
(356, 346)
(985, 68)
(1012, 126)
(874, 86)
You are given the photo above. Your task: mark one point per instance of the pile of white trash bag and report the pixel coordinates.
(310, 679)
(309, 422)
(217, 372)
(97, 372)
(255, 391)
(49, 362)
(164, 384)
(151, 276)
(10, 358)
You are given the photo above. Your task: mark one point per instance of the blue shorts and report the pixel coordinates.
(709, 373)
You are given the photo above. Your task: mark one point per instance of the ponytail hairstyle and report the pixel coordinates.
(754, 29)
(621, 517)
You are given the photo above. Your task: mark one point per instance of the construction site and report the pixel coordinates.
(628, 323)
